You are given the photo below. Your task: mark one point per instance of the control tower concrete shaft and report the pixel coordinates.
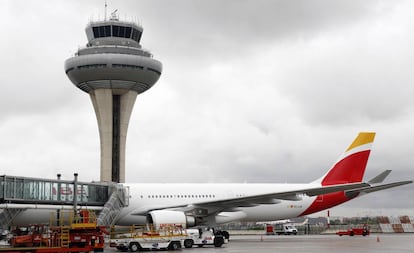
(113, 68)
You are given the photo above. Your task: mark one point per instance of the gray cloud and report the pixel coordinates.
(252, 91)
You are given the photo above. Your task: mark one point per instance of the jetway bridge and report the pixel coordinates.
(18, 194)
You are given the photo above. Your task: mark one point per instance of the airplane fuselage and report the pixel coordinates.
(158, 196)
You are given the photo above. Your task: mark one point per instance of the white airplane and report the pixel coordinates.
(211, 204)
(194, 204)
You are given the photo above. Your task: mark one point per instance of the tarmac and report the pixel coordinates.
(395, 243)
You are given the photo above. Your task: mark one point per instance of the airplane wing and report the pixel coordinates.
(374, 188)
(375, 185)
(231, 204)
(274, 198)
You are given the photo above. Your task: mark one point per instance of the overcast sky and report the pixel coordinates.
(251, 91)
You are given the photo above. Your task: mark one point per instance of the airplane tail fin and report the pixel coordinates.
(350, 167)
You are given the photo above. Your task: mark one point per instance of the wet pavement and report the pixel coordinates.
(394, 243)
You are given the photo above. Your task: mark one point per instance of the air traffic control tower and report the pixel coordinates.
(113, 68)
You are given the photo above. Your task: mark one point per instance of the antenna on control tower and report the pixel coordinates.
(114, 16)
(106, 5)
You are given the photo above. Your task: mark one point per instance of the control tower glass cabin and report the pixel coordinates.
(113, 68)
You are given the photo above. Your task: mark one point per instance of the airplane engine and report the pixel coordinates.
(159, 218)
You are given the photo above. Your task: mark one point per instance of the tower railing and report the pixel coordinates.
(116, 49)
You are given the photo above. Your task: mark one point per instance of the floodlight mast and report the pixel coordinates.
(113, 69)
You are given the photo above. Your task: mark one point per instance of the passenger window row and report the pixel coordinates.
(180, 196)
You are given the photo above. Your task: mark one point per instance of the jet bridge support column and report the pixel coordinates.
(75, 192)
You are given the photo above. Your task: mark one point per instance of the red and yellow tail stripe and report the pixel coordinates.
(350, 168)
(363, 138)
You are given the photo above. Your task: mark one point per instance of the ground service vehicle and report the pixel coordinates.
(69, 233)
(202, 237)
(357, 230)
(137, 238)
(282, 229)
(29, 236)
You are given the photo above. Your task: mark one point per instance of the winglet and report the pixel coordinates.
(369, 189)
(380, 178)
